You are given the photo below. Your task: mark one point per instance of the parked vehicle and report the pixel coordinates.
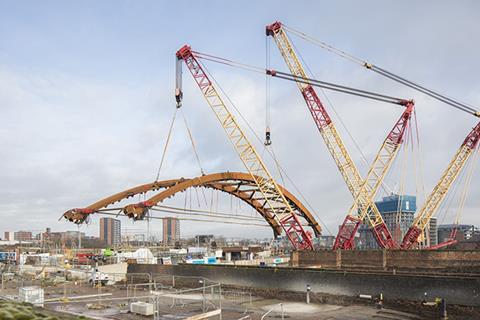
(98, 277)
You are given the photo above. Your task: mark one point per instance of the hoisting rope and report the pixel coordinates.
(436, 95)
(166, 144)
(190, 136)
(198, 198)
(403, 173)
(277, 166)
(228, 62)
(186, 198)
(384, 186)
(268, 140)
(444, 208)
(295, 78)
(287, 76)
(464, 176)
(309, 206)
(342, 123)
(324, 45)
(418, 158)
(466, 187)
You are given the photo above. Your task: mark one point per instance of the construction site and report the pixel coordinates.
(397, 251)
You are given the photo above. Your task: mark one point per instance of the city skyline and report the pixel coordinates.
(239, 159)
(106, 69)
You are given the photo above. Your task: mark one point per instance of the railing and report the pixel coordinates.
(271, 310)
(239, 297)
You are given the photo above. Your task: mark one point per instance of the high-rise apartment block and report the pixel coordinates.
(171, 230)
(110, 231)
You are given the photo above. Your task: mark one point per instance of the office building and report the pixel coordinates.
(432, 232)
(463, 232)
(110, 231)
(171, 230)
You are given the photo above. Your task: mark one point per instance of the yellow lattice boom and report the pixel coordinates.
(248, 155)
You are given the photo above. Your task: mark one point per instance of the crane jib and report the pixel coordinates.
(439, 192)
(272, 195)
(361, 192)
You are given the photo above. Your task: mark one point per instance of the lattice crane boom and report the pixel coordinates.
(335, 145)
(438, 194)
(358, 211)
(271, 192)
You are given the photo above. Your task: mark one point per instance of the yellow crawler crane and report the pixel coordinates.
(271, 192)
(441, 189)
(363, 191)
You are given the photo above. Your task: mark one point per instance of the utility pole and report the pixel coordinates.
(308, 289)
(79, 238)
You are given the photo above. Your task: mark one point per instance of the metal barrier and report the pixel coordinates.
(206, 296)
(271, 310)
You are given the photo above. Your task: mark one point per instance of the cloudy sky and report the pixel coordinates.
(86, 99)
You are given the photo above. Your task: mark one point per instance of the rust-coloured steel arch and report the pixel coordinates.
(238, 184)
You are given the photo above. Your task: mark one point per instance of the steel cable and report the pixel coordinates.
(313, 82)
(166, 144)
(436, 95)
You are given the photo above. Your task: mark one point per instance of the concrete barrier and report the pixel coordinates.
(457, 290)
(452, 261)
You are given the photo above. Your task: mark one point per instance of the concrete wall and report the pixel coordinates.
(457, 290)
(389, 259)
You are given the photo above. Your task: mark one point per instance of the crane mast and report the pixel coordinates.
(440, 191)
(356, 185)
(271, 192)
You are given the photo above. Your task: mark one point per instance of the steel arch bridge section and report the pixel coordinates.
(238, 184)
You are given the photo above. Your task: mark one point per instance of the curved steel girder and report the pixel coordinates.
(215, 181)
(238, 184)
(260, 207)
(232, 183)
(78, 215)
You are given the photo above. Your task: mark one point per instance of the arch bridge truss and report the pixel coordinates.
(237, 184)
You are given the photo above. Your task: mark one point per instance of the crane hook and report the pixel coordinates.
(268, 141)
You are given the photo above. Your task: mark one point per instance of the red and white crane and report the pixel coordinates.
(438, 194)
(363, 190)
(265, 182)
